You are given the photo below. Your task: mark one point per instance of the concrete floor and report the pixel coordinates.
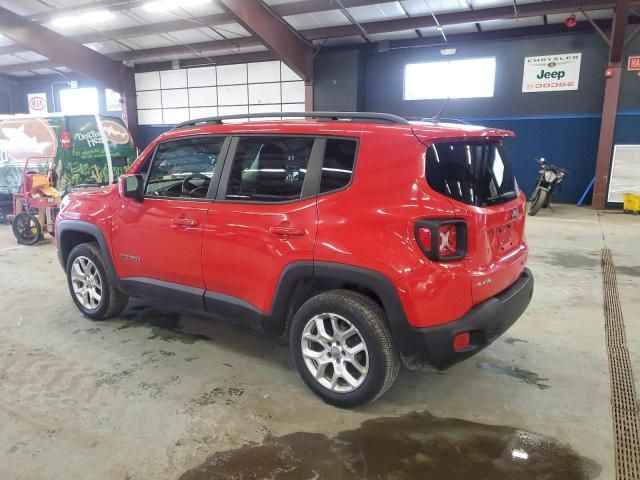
(156, 395)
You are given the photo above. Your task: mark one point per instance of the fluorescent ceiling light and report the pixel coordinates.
(166, 5)
(86, 18)
(67, 21)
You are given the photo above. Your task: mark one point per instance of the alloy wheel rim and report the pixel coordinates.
(86, 283)
(335, 352)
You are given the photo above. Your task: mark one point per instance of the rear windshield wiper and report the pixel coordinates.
(503, 196)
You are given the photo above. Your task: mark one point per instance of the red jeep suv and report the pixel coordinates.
(368, 240)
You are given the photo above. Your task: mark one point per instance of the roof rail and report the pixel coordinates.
(325, 116)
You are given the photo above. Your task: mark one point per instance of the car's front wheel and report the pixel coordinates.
(92, 289)
(342, 348)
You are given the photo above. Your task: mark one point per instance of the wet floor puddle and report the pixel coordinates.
(413, 446)
(163, 325)
(525, 376)
(572, 260)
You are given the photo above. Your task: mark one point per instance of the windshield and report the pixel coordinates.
(475, 173)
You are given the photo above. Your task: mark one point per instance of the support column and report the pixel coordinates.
(610, 107)
(308, 96)
(128, 98)
(605, 144)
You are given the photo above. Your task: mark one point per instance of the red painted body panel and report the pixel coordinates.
(369, 225)
(241, 257)
(147, 242)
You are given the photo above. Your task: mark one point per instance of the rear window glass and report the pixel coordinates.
(337, 168)
(475, 173)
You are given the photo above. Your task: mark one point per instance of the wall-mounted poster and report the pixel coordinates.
(551, 73)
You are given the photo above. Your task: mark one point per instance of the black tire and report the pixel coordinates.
(26, 228)
(112, 300)
(537, 201)
(369, 320)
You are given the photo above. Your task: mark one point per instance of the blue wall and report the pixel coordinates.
(567, 141)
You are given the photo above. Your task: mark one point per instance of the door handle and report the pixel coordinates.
(287, 231)
(184, 222)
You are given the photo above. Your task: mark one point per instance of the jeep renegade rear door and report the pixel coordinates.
(263, 219)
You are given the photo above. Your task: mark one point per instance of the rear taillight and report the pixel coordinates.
(65, 139)
(442, 240)
(424, 238)
(448, 240)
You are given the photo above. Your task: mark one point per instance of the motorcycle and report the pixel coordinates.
(550, 178)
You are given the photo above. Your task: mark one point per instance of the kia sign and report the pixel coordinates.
(37, 102)
(634, 64)
(551, 73)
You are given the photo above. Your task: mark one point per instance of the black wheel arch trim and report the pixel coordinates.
(65, 228)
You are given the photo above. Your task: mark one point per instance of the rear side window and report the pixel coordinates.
(269, 169)
(475, 173)
(337, 168)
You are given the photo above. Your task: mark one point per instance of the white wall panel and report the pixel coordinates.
(201, 77)
(264, 72)
(233, 110)
(293, 92)
(264, 109)
(264, 93)
(232, 74)
(171, 116)
(149, 99)
(173, 79)
(150, 117)
(147, 81)
(175, 98)
(203, 97)
(287, 74)
(202, 112)
(293, 107)
(233, 95)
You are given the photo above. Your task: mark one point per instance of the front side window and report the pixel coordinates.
(184, 168)
(269, 169)
(337, 168)
(475, 173)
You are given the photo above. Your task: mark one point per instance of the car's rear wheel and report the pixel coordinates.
(342, 348)
(92, 289)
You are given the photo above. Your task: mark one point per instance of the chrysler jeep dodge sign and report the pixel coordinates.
(551, 73)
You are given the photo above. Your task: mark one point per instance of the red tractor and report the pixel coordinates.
(36, 205)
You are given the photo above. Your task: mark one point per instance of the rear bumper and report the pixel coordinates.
(433, 346)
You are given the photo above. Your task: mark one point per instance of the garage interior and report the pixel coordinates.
(159, 393)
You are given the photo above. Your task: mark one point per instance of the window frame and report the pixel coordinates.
(215, 178)
(310, 186)
(353, 172)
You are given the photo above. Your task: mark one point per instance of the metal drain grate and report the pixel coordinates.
(624, 403)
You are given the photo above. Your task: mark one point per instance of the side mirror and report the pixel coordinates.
(130, 186)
